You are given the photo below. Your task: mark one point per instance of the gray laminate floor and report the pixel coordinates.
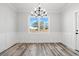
(38, 49)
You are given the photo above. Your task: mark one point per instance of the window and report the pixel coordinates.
(38, 24)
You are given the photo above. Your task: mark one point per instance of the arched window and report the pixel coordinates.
(38, 20)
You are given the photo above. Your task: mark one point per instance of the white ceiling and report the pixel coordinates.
(27, 7)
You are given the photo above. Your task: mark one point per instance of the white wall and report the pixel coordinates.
(68, 24)
(7, 27)
(54, 34)
(14, 27)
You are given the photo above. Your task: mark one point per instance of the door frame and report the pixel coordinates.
(75, 23)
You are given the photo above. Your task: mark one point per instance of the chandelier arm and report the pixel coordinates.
(39, 12)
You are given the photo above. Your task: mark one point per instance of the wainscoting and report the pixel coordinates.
(47, 37)
(38, 49)
(7, 39)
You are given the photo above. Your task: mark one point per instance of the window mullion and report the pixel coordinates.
(38, 24)
(44, 26)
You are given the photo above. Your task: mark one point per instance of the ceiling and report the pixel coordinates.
(49, 7)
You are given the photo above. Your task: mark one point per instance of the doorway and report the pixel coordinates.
(77, 31)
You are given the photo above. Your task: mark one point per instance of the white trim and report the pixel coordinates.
(75, 28)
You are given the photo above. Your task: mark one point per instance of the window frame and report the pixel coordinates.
(39, 26)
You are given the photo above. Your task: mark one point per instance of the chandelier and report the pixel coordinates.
(39, 12)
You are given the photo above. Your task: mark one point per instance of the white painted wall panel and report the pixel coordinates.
(7, 27)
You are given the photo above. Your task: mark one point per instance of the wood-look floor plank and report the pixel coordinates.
(11, 51)
(52, 49)
(60, 49)
(42, 50)
(28, 51)
(47, 50)
(55, 49)
(39, 49)
(69, 51)
(20, 50)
